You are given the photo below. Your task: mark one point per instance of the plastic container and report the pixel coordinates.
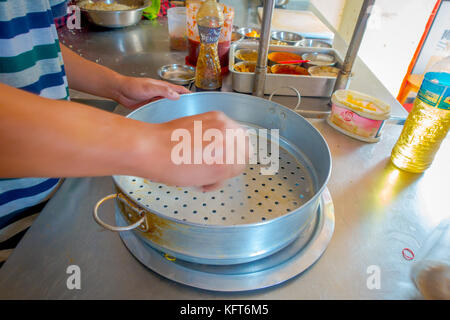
(176, 18)
(358, 115)
(431, 269)
(194, 38)
(428, 122)
(152, 11)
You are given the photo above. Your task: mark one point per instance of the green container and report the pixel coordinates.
(152, 11)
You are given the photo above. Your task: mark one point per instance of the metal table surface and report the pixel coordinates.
(379, 210)
(142, 49)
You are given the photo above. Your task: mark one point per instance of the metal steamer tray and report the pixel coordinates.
(253, 215)
(309, 86)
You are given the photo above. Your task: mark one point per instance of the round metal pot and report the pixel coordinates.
(215, 234)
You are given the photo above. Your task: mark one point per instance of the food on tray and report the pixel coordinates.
(283, 56)
(289, 69)
(247, 55)
(252, 34)
(323, 71)
(319, 59)
(105, 6)
(278, 43)
(247, 67)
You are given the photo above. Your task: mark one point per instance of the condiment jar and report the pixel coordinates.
(358, 115)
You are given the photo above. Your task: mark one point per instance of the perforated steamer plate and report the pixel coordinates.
(249, 198)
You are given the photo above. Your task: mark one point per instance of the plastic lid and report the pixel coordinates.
(362, 104)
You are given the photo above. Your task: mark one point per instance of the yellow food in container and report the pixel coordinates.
(358, 115)
(247, 55)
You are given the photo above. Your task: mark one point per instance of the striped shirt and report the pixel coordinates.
(31, 60)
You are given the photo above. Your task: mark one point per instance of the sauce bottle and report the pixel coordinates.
(208, 71)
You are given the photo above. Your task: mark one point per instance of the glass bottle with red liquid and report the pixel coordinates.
(194, 39)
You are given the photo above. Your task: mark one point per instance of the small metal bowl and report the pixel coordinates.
(240, 55)
(271, 57)
(318, 59)
(290, 69)
(324, 71)
(116, 18)
(177, 73)
(246, 30)
(291, 38)
(236, 36)
(238, 67)
(314, 43)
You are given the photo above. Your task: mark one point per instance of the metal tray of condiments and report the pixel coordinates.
(308, 86)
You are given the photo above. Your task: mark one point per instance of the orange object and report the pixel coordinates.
(252, 34)
(289, 69)
(411, 82)
(283, 56)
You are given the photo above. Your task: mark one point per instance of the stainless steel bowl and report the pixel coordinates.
(115, 19)
(177, 73)
(319, 59)
(236, 36)
(324, 71)
(245, 30)
(314, 43)
(291, 38)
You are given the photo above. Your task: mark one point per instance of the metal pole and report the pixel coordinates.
(261, 64)
(343, 79)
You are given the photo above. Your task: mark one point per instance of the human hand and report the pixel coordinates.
(207, 176)
(133, 92)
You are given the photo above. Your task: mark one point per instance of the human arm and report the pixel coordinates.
(41, 137)
(132, 92)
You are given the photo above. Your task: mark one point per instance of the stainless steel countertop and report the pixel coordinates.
(379, 210)
(140, 50)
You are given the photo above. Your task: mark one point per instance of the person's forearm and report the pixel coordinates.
(49, 138)
(90, 77)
